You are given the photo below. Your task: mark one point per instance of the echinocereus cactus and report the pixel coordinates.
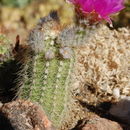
(84, 62)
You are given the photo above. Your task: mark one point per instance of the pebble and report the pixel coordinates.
(116, 92)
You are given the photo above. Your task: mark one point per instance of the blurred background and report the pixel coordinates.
(19, 16)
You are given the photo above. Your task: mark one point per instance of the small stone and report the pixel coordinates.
(116, 93)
